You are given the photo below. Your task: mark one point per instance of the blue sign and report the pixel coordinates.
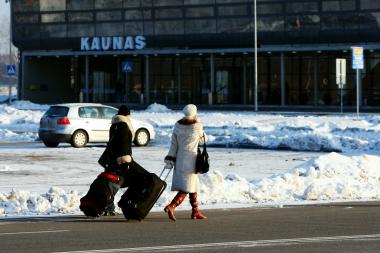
(127, 66)
(357, 58)
(11, 70)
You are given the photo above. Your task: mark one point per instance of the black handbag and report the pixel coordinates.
(202, 164)
(107, 159)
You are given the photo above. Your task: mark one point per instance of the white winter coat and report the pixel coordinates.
(183, 148)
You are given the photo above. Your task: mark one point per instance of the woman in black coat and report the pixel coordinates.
(120, 139)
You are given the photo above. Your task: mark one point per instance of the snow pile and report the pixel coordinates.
(329, 177)
(54, 201)
(157, 108)
(20, 121)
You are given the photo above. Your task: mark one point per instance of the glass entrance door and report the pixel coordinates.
(101, 91)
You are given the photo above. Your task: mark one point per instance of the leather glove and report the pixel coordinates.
(168, 165)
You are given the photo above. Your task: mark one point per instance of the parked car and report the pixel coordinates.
(82, 123)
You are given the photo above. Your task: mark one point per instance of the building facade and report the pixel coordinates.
(196, 51)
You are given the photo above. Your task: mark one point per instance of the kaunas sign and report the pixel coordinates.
(112, 43)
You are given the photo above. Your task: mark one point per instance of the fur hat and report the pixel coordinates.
(190, 110)
(124, 110)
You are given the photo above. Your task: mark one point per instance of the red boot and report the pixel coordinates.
(195, 214)
(175, 202)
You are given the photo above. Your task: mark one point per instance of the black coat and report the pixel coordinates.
(120, 139)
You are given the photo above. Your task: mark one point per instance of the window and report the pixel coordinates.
(232, 10)
(369, 4)
(26, 18)
(132, 3)
(343, 5)
(104, 4)
(133, 14)
(108, 113)
(109, 29)
(88, 112)
(81, 30)
(53, 17)
(270, 24)
(269, 8)
(167, 2)
(303, 22)
(56, 5)
(168, 13)
(198, 2)
(200, 26)
(233, 25)
(369, 20)
(301, 7)
(81, 17)
(57, 111)
(108, 15)
(143, 2)
(199, 12)
(27, 31)
(169, 27)
(133, 28)
(80, 5)
(53, 31)
(24, 6)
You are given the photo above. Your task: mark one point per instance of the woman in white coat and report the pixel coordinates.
(187, 134)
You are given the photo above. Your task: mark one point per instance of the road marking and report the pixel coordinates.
(258, 243)
(34, 232)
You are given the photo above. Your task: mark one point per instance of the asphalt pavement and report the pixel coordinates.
(349, 227)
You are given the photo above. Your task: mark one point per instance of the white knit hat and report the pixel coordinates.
(190, 110)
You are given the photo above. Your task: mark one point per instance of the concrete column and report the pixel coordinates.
(146, 90)
(283, 82)
(179, 79)
(245, 89)
(212, 80)
(86, 79)
(316, 91)
(21, 88)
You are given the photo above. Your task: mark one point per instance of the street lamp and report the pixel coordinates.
(255, 60)
(10, 48)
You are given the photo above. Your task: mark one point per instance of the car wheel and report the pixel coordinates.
(142, 137)
(79, 139)
(51, 144)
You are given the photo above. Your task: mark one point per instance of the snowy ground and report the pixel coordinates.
(37, 181)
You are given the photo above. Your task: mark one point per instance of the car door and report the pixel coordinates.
(107, 113)
(93, 123)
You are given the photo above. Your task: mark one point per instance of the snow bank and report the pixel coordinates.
(331, 177)
(20, 121)
(157, 108)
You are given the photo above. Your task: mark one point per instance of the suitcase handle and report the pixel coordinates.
(162, 172)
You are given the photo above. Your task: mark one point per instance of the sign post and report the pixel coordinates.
(341, 78)
(357, 63)
(126, 67)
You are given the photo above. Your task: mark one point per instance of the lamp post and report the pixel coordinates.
(10, 48)
(255, 57)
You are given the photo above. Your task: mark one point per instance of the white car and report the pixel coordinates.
(82, 123)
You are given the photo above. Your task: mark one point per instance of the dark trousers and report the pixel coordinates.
(130, 175)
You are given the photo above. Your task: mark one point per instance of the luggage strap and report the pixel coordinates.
(110, 176)
(162, 172)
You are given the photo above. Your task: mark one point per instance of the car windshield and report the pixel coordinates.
(57, 111)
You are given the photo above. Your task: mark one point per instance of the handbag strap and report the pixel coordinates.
(204, 142)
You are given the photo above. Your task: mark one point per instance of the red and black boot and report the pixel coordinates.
(195, 214)
(175, 202)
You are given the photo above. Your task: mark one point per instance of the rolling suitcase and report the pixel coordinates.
(100, 194)
(140, 197)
